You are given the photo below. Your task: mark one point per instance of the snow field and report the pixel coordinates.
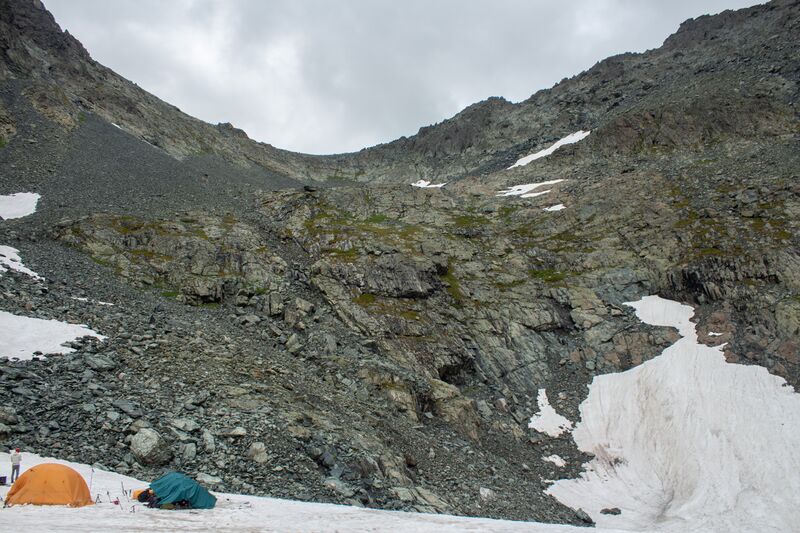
(687, 441)
(233, 513)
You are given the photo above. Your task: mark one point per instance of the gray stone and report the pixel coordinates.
(208, 480)
(8, 415)
(184, 424)
(340, 487)
(583, 516)
(189, 451)
(99, 362)
(258, 452)
(483, 409)
(150, 448)
(487, 494)
(209, 444)
(128, 407)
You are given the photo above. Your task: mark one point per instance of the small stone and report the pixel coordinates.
(99, 362)
(258, 453)
(189, 451)
(209, 444)
(185, 424)
(487, 494)
(128, 407)
(208, 480)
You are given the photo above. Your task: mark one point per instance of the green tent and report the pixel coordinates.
(175, 487)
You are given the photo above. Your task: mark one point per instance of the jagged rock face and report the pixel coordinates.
(201, 258)
(735, 68)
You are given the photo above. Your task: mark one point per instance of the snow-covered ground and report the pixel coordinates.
(424, 184)
(688, 441)
(18, 205)
(10, 260)
(20, 336)
(557, 207)
(235, 513)
(569, 139)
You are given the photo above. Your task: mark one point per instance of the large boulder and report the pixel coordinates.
(150, 448)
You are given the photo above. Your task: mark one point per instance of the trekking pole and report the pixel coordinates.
(91, 479)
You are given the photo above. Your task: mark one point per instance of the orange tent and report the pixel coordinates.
(49, 484)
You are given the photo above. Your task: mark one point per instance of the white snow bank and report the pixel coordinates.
(547, 420)
(233, 513)
(20, 336)
(557, 207)
(569, 139)
(18, 205)
(524, 191)
(556, 460)
(10, 259)
(687, 441)
(424, 184)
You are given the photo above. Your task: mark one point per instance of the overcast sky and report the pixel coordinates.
(319, 76)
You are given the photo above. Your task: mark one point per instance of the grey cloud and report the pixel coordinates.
(320, 77)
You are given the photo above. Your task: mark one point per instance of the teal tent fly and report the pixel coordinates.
(176, 487)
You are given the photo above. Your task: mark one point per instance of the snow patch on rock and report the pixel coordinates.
(21, 336)
(87, 300)
(524, 191)
(424, 184)
(557, 207)
(547, 420)
(18, 205)
(10, 260)
(569, 139)
(556, 460)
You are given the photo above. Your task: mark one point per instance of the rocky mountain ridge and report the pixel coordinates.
(355, 342)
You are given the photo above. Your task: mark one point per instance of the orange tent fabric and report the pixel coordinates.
(49, 484)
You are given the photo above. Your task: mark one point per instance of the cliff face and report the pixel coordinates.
(366, 336)
(741, 47)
